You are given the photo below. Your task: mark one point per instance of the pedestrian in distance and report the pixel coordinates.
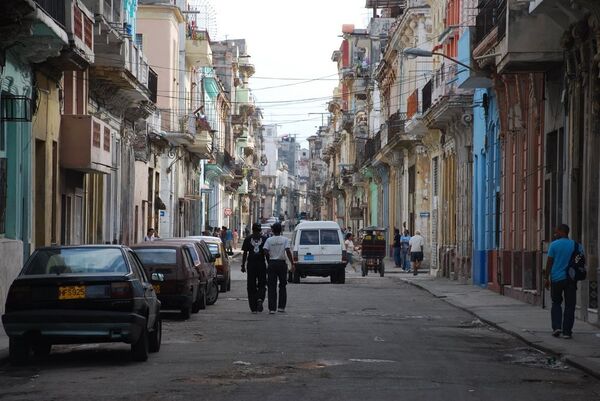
(560, 285)
(396, 247)
(276, 249)
(150, 235)
(253, 262)
(236, 238)
(404, 251)
(229, 241)
(349, 244)
(415, 247)
(223, 235)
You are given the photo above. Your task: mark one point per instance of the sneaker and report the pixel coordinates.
(280, 310)
(259, 305)
(556, 333)
(567, 336)
(271, 312)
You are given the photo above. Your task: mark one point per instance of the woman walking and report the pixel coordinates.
(349, 244)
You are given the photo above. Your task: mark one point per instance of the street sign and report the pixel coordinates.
(424, 214)
(228, 211)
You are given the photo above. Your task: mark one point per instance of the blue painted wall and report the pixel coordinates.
(486, 180)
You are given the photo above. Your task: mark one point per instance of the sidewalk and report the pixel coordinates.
(528, 322)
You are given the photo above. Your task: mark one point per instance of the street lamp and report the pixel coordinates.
(481, 80)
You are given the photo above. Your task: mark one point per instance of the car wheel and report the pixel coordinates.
(139, 349)
(18, 350)
(212, 293)
(41, 349)
(382, 269)
(156, 335)
(296, 277)
(200, 302)
(186, 311)
(341, 277)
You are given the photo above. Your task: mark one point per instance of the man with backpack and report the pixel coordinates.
(564, 255)
(254, 256)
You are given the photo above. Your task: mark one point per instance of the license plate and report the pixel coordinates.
(309, 257)
(71, 292)
(156, 288)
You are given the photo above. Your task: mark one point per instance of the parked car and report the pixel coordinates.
(204, 262)
(82, 294)
(222, 262)
(181, 286)
(318, 250)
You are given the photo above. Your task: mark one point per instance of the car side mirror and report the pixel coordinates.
(158, 277)
(216, 256)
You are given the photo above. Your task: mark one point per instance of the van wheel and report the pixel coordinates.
(341, 277)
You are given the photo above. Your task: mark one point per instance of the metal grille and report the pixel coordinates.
(54, 8)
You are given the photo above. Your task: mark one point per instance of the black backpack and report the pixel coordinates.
(576, 268)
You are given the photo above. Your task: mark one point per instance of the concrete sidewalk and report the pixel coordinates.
(528, 322)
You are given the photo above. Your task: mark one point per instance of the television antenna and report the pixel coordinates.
(204, 15)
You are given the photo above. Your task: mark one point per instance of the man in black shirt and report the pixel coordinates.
(257, 268)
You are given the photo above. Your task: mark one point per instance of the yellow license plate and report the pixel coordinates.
(156, 288)
(71, 292)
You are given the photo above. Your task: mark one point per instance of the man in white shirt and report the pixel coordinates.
(276, 249)
(415, 247)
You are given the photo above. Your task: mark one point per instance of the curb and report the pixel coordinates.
(576, 362)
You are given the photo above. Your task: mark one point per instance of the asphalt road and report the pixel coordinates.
(370, 339)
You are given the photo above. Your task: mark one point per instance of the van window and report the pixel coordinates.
(309, 237)
(330, 237)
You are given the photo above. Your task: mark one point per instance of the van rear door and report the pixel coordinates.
(309, 249)
(331, 246)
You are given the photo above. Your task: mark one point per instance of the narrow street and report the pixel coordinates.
(372, 338)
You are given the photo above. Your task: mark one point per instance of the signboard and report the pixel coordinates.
(228, 211)
(356, 213)
(424, 214)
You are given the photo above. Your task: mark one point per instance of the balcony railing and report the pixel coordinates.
(54, 8)
(492, 14)
(372, 146)
(396, 124)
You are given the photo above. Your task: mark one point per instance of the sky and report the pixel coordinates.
(293, 40)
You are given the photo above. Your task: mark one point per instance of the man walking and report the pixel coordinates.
(276, 249)
(257, 269)
(396, 247)
(404, 254)
(415, 247)
(559, 256)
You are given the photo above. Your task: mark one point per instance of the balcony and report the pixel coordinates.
(372, 147)
(197, 48)
(360, 88)
(448, 102)
(78, 22)
(247, 145)
(414, 112)
(120, 77)
(85, 144)
(522, 41)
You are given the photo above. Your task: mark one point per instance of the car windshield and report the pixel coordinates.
(76, 261)
(214, 248)
(157, 256)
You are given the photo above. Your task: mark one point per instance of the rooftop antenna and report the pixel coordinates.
(205, 16)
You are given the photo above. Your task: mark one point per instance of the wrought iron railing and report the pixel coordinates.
(54, 8)
(395, 124)
(372, 146)
(492, 14)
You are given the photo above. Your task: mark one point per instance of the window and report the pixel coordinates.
(107, 139)
(193, 254)
(330, 237)
(96, 135)
(139, 41)
(309, 237)
(435, 176)
(77, 261)
(157, 256)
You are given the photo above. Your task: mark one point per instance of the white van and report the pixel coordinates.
(318, 249)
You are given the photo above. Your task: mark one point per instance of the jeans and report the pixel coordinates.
(567, 288)
(277, 271)
(257, 284)
(405, 259)
(397, 258)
